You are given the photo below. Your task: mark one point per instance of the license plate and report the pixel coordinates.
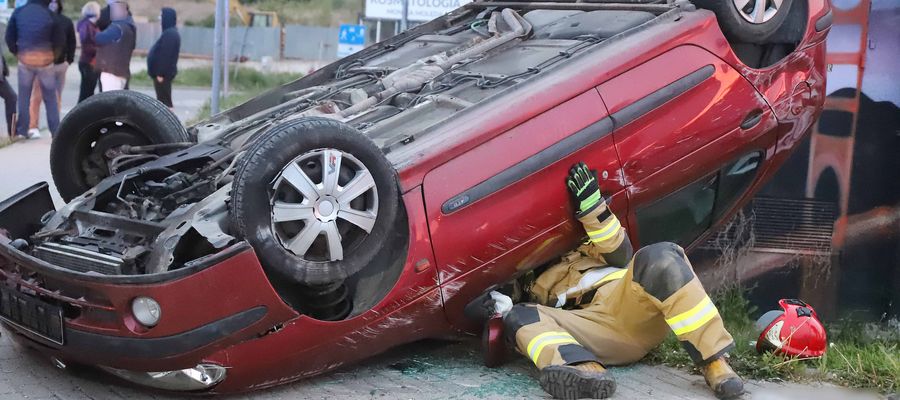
(31, 314)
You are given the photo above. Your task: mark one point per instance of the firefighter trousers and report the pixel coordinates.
(628, 317)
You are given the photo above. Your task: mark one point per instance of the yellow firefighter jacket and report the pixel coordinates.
(582, 273)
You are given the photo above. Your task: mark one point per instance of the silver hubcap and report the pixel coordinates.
(757, 11)
(323, 202)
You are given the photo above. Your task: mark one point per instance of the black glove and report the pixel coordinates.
(482, 308)
(585, 188)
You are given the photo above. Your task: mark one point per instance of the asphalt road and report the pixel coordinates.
(187, 100)
(430, 369)
(27, 162)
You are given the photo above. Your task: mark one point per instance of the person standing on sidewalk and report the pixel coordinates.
(87, 31)
(32, 35)
(64, 57)
(9, 98)
(162, 60)
(115, 45)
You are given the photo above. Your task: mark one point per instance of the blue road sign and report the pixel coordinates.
(351, 38)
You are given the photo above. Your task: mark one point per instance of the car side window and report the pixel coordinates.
(734, 181)
(687, 213)
(681, 216)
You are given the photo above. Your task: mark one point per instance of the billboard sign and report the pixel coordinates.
(419, 10)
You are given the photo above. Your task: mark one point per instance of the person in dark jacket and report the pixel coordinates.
(9, 98)
(87, 31)
(104, 21)
(162, 60)
(64, 57)
(32, 35)
(115, 45)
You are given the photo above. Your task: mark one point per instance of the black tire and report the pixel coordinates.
(252, 187)
(737, 29)
(103, 121)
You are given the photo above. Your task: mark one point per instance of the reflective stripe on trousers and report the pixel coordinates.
(537, 344)
(694, 318)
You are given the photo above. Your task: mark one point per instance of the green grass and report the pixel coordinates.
(11, 60)
(248, 84)
(230, 101)
(246, 79)
(860, 357)
(855, 357)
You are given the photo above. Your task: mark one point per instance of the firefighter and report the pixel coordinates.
(600, 307)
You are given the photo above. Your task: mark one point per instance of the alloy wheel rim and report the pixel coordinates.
(757, 11)
(323, 203)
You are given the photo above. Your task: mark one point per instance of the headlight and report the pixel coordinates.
(146, 311)
(203, 376)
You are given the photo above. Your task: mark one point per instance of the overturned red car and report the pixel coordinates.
(364, 205)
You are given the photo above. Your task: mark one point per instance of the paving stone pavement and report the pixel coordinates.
(425, 370)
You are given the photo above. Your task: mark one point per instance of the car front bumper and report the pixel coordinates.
(98, 326)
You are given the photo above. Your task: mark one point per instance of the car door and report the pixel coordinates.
(503, 207)
(679, 119)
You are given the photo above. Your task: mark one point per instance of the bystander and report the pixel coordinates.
(32, 36)
(64, 56)
(9, 98)
(162, 60)
(87, 31)
(115, 46)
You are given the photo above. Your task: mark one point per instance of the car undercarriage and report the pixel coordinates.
(171, 209)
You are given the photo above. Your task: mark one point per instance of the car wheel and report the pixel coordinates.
(89, 135)
(316, 199)
(748, 21)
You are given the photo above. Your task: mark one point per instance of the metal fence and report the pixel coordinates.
(147, 33)
(298, 42)
(310, 42)
(254, 43)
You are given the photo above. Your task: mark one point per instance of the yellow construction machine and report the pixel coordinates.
(265, 19)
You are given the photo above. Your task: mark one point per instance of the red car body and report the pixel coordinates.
(672, 103)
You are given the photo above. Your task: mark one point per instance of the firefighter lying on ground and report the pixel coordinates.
(591, 313)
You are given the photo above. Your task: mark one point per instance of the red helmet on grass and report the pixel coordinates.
(794, 331)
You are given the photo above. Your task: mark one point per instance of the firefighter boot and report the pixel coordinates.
(723, 380)
(586, 380)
